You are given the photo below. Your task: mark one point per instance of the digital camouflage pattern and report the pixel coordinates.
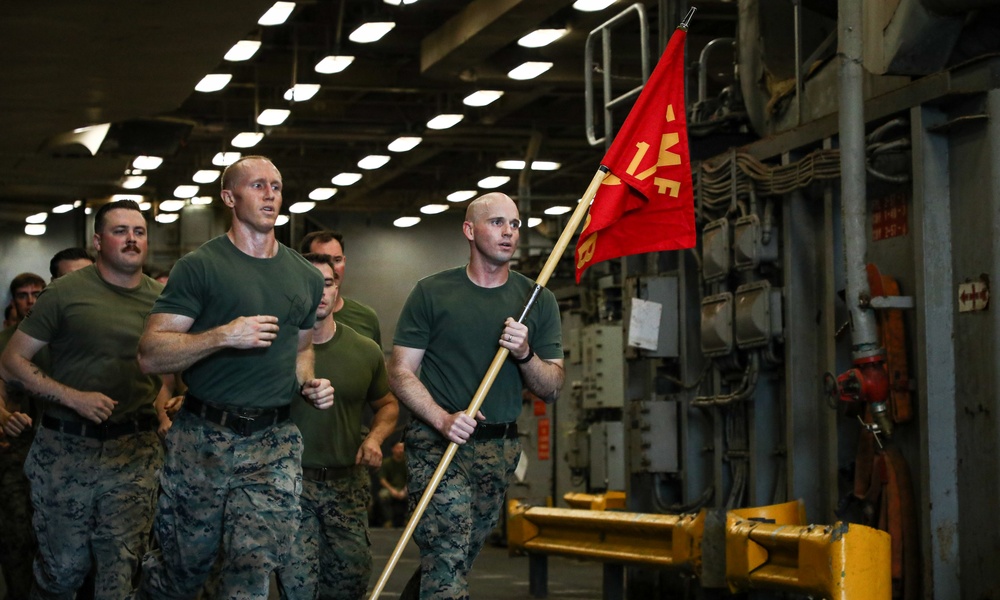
(93, 503)
(332, 551)
(464, 509)
(17, 540)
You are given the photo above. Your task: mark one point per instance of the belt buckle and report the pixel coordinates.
(242, 424)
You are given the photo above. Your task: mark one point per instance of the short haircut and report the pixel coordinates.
(232, 170)
(110, 206)
(25, 279)
(67, 254)
(318, 258)
(322, 236)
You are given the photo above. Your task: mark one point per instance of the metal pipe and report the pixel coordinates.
(703, 63)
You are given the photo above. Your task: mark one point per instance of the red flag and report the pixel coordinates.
(645, 204)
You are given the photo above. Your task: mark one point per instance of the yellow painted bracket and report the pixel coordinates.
(610, 500)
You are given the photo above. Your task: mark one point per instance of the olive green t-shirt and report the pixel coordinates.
(355, 366)
(360, 318)
(92, 329)
(217, 283)
(394, 472)
(19, 400)
(458, 325)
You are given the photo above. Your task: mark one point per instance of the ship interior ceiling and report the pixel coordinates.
(802, 405)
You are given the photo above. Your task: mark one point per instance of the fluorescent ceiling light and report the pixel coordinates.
(444, 121)
(213, 82)
(300, 92)
(406, 221)
(277, 14)
(132, 197)
(242, 50)
(79, 203)
(37, 218)
(536, 165)
(461, 195)
(172, 205)
(90, 137)
(373, 161)
(529, 70)
(592, 5)
(371, 32)
(541, 37)
(247, 139)
(281, 220)
(62, 208)
(131, 182)
(398, 2)
(322, 193)
(493, 181)
(87, 210)
(533, 221)
(557, 210)
(404, 144)
(433, 209)
(271, 117)
(144, 206)
(166, 218)
(333, 64)
(147, 163)
(186, 191)
(224, 159)
(346, 179)
(201, 200)
(482, 97)
(34, 229)
(206, 175)
(301, 207)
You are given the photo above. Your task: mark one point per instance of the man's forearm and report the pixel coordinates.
(384, 422)
(543, 378)
(19, 372)
(412, 393)
(172, 352)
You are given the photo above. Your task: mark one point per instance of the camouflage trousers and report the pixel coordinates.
(17, 540)
(93, 503)
(222, 492)
(331, 558)
(463, 510)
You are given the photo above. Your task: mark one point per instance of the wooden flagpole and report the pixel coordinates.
(491, 375)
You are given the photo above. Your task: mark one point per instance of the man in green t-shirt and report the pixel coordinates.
(350, 312)
(93, 463)
(236, 317)
(331, 555)
(392, 494)
(446, 333)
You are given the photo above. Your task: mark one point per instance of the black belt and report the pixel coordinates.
(244, 422)
(328, 473)
(102, 431)
(495, 431)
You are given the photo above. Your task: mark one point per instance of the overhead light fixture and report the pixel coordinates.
(301, 207)
(529, 70)
(444, 121)
(166, 218)
(172, 205)
(224, 159)
(247, 139)
(482, 98)
(557, 210)
(213, 82)
(373, 161)
(345, 179)
(404, 144)
(131, 182)
(201, 200)
(144, 206)
(433, 209)
(281, 220)
(461, 195)
(536, 165)
(541, 37)
(271, 117)
(79, 203)
(132, 197)
(493, 181)
(34, 229)
(62, 208)
(592, 5)
(37, 218)
(277, 14)
(533, 221)
(398, 2)
(186, 191)
(406, 221)
(322, 193)
(333, 64)
(206, 176)
(300, 92)
(367, 33)
(147, 163)
(242, 50)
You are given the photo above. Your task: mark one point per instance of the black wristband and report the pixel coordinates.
(521, 361)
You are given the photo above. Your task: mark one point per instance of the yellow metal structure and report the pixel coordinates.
(610, 500)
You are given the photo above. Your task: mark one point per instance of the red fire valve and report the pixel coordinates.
(868, 381)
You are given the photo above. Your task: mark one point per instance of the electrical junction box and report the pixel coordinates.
(749, 249)
(757, 319)
(607, 455)
(715, 250)
(603, 366)
(663, 291)
(717, 325)
(654, 436)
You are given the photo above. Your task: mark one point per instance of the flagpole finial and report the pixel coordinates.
(686, 21)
